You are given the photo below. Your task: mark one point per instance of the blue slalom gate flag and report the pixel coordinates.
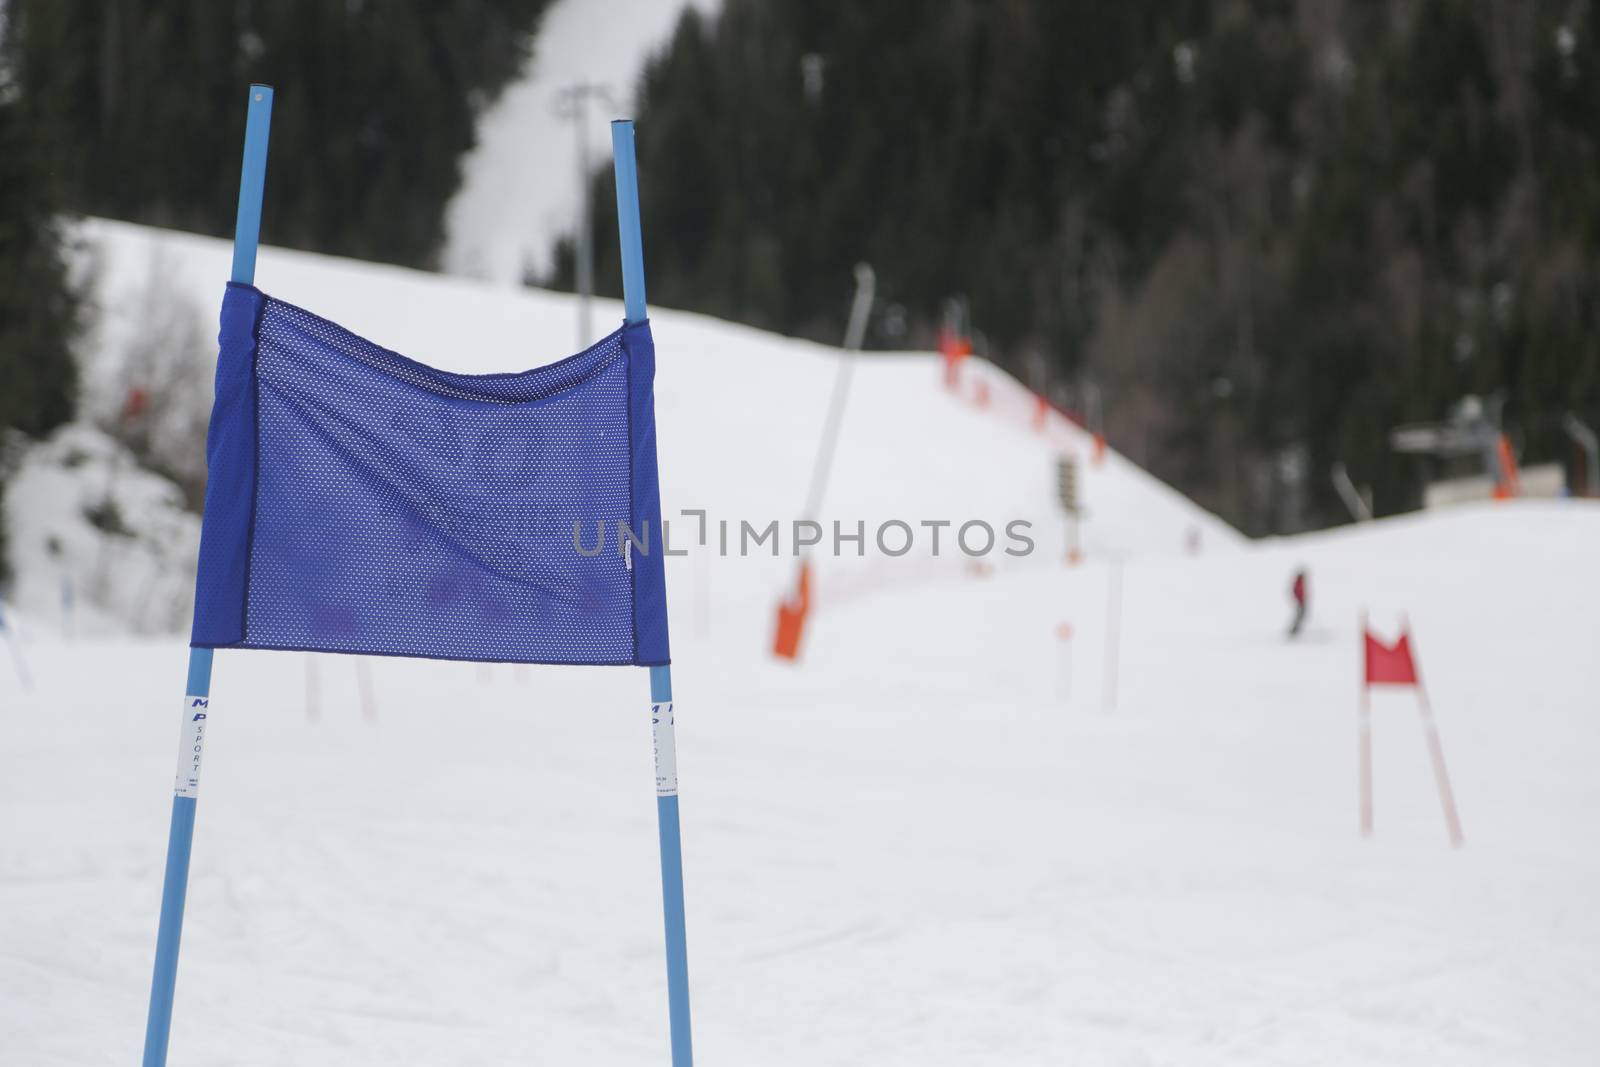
(359, 501)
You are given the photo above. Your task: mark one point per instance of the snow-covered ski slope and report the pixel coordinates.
(131, 574)
(519, 188)
(931, 842)
(740, 414)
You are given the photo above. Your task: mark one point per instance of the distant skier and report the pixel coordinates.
(1301, 593)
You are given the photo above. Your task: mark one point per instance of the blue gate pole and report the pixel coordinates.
(661, 723)
(197, 692)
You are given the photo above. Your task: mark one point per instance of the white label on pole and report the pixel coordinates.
(666, 745)
(191, 741)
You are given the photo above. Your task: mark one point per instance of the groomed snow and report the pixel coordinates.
(931, 842)
(519, 190)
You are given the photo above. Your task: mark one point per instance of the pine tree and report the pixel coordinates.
(140, 100)
(1269, 229)
(39, 310)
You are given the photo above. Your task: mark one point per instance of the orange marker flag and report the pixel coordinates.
(792, 617)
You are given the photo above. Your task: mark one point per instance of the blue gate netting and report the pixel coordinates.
(359, 501)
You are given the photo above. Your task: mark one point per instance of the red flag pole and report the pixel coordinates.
(1064, 639)
(1366, 736)
(1113, 633)
(1441, 776)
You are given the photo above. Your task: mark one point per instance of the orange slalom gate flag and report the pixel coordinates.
(1390, 665)
(792, 617)
(954, 348)
(1508, 481)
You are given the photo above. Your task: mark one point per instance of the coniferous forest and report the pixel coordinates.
(1268, 230)
(131, 109)
(137, 102)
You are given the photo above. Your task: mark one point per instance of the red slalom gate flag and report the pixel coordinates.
(1395, 665)
(1390, 664)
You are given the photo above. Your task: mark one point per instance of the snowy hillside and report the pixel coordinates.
(740, 415)
(100, 546)
(519, 191)
(936, 840)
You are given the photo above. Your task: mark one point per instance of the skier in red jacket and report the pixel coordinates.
(1301, 593)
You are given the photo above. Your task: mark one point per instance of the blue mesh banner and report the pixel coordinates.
(359, 501)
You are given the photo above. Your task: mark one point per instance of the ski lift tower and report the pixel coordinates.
(572, 104)
(1470, 430)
